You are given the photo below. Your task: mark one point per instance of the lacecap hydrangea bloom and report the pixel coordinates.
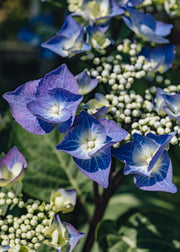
(41, 104)
(62, 236)
(89, 141)
(146, 157)
(69, 40)
(12, 167)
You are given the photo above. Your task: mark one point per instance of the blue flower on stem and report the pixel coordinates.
(41, 104)
(146, 157)
(69, 41)
(146, 27)
(161, 57)
(12, 167)
(89, 141)
(62, 236)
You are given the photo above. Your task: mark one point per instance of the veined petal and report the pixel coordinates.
(160, 178)
(97, 168)
(87, 137)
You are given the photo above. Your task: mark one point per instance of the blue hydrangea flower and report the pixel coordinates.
(146, 157)
(99, 11)
(63, 200)
(38, 105)
(85, 83)
(167, 103)
(146, 27)
(89, 141)
(62, 236)
(69, 41)
(12, 167)
(161, 57)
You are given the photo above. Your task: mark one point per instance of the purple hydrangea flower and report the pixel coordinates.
(161, 57)
(62, 236)
(130, 3)
(38, 105)
(12, 167)
(85, 83)
(89, 141)
(146, 27)
(146, 157)
(167, 103)
(69, 41)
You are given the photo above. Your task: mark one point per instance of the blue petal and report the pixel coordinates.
(85, 83)
(160, 179)
(75, 143)
(97, 168)
(163, 29)
(58, 78)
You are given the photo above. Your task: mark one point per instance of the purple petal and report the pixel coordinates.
(97, 168)
(18, 100)
(59, 78)
(163, 29)
(74, 235)
(113, 130)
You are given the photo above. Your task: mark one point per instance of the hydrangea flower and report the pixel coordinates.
(99, 11)
(63, 200)
(41, 104)
(62, 236)
(100, 105)
(89, 141)
(85, 83)
(146, 27)
(12, 167)
(161, 57)
(146, 157)
(167, 103)
(97, 39)
(69, 41)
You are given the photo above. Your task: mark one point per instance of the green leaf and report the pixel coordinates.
(140, 232)
(48, 169)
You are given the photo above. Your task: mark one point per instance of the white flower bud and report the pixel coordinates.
(11, 195)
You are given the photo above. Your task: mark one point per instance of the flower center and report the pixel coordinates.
(91, 143)
(55, 110)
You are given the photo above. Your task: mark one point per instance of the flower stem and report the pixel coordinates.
(101, 203)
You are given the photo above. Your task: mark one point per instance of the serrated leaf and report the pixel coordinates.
(141, 232)
(48, 169)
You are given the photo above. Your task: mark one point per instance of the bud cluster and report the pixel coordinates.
(132, 111)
